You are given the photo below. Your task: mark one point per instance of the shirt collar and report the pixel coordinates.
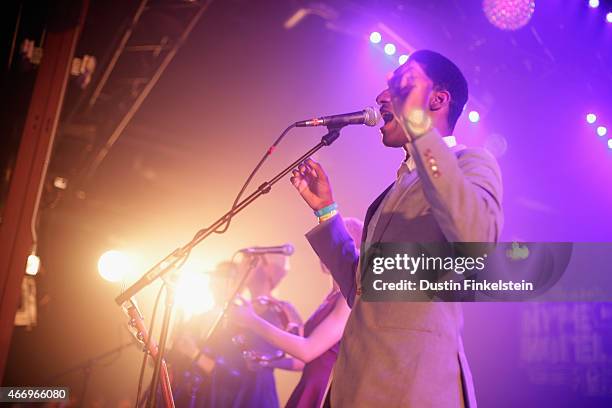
(409, 165)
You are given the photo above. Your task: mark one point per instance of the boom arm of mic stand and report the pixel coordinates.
(168, 263)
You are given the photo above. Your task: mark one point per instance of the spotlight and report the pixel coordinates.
(402, 59)
(602, 130)
(609, 143)
(591, 118)
(193, 292)
(474, 116)
(114, 265)
(593, 3)
(389, 49)
(375, 37)
(609, 17)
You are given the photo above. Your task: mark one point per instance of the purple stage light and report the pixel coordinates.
(609, 17)
(508, 14)
(602, 130)
(474, 116)
(402, 59)
(375, 37)
(591, 118)
(389, 49)
(593, 3)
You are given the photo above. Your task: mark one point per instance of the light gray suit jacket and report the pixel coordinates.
(407, 354)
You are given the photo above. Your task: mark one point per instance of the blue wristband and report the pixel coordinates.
(326, 210)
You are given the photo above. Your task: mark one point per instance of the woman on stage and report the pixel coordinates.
(315, 352)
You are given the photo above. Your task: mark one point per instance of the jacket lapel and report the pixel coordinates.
(385, 218)
(371, 210)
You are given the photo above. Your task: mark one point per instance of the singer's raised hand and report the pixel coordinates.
(313, 185)
(411, 91)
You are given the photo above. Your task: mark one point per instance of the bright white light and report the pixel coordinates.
(591, 118)
(593, 3)
(33, 265)
(390, 49)
(375, 37)
(609, 143)
(193, 295)
(114, 265)
(402, 59)
(609, 17)
(602, 130)
(60, 182)
(474, 116)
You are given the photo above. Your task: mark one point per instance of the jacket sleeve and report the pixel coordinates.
(336, 249)
(464, 189)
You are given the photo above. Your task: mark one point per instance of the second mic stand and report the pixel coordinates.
(180, 254)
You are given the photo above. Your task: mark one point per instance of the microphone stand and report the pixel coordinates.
(228, 302)
(163, 337)
(172, 260)
(87, 367)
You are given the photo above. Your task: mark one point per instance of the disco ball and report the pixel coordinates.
(508, 14)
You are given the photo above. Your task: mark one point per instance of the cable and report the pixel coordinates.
(268, 153)
(224, 227)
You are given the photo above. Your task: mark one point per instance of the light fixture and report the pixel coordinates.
(114, 265)
(375, 37)
(390, 49)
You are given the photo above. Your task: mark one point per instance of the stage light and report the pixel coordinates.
(474, 116)
(193, 295)
(114, 265)
(60, 182)
(402, 59)
(389, 49)
(375, 37)
(593, 3)
(602, 130)
(32, 265)
(609, 143)
(591, 118)
(609, 17)
(508, 14)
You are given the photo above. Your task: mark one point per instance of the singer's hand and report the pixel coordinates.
(313, 185)
(411, 92)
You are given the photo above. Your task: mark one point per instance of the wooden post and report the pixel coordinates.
(16, 229)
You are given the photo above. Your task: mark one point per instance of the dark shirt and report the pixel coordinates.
(310, 391)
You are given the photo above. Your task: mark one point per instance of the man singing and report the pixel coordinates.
(407, 354)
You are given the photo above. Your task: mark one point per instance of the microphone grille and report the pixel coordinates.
(372, 116)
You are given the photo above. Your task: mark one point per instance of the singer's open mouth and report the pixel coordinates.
(387, 116)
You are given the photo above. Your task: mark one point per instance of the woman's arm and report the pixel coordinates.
(286, 363)
(323, 337)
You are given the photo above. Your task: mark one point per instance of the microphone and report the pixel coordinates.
(286, 250)
(369, 116)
